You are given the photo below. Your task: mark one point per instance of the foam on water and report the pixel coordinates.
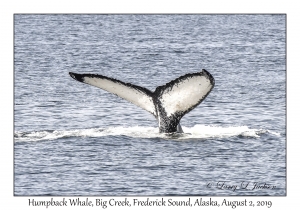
(196, 132)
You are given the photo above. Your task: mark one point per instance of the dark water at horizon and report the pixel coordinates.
(75, 139)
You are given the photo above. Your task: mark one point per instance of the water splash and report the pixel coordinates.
(195, 132)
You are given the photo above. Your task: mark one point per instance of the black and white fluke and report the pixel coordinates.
(168, 103)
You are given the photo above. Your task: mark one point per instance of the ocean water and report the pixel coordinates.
(74, 139)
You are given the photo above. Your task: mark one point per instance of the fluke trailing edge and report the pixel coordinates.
(168, 103)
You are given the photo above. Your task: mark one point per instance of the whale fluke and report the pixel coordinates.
(168, 103)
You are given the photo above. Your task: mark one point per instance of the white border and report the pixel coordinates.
(8, 8)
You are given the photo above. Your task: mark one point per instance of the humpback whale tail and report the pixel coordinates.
(168, 103)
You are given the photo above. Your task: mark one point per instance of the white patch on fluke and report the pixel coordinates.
(128, 93)
(185, 94)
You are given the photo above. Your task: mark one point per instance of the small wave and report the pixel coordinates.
(197, 131)
(136, 131)
(212, 131)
